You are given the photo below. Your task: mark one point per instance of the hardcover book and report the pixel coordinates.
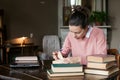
(101, 58)
(67, 67)
(15, 65)
(102, 71)
(55, 74)
(104, 65)
(76, 77)
(24, 58)
(26, 61)
(95, 77)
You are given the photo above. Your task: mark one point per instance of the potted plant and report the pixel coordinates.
(98, 17)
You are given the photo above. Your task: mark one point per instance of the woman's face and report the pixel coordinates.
(77, 31)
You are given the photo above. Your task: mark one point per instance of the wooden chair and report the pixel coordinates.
(116, 53)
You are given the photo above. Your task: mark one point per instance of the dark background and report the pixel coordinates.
(23, 17)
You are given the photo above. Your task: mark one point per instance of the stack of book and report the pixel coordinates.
(25, 61)
(101, 65)
(73, 69)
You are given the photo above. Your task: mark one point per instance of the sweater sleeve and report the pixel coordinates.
(101, 43)
(66, 46)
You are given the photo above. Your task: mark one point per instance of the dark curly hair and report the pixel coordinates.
(79, 17)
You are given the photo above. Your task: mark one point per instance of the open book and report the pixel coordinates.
(68, 60)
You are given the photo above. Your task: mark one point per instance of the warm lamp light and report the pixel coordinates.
(22, 40)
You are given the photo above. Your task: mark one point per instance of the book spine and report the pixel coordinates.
(66, 65)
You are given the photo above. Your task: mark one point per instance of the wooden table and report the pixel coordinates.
(39, 73)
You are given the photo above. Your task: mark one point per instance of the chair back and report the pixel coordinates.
(50, 43)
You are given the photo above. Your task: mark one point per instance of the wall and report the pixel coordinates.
(114, 13)
(39, 17)
(23, 17)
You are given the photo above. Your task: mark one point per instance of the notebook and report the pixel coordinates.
(24, 65)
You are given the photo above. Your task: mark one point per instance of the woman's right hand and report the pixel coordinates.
(57, 55)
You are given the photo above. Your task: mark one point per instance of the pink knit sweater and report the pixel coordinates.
(93, 43)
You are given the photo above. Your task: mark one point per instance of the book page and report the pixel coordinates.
(68, 60)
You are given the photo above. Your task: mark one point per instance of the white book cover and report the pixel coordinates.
(26, 58)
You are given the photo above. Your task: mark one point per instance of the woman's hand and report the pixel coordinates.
(72, 60)
(57, 55)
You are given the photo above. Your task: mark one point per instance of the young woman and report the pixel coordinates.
(82, 39)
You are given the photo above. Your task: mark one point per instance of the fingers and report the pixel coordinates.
(55, 56)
